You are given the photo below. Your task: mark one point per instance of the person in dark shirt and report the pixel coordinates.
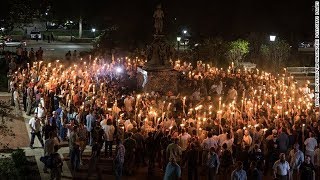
(151, 152)
(254, 173)
(53, 120)
(97, 136)
(307, 170)
(257, 156)
(129, 158)
(192, 160)
(226, 159)
(47, 128)
(140, 151)
(165, 141)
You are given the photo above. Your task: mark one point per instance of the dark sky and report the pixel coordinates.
(199, 16)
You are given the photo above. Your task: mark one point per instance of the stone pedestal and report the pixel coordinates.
(162, 81)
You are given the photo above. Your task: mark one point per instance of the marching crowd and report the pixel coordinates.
(86, 106)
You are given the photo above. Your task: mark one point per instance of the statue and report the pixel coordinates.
(158, 67)
(159, 52)
(158, 19)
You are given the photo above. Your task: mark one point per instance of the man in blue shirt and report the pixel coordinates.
(239, 173)
(89, 124)
(213, 164)
(173, 171)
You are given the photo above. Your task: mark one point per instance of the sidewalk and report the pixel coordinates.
(41, 42)
(5, 94)
(38, 152)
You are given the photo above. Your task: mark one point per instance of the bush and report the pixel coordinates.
(7, 169)
(20, 161)
(3, 82)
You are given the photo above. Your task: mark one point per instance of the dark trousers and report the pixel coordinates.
(129, 159)
(24, 103)
(62, 132)
(211, 173)
(108, 147)
(33, 135)
(118, 170)
(192, 173)
(55, 173)
(279, 177)
(89, 135)
(139, 156)
(75, 158)
(29, 105)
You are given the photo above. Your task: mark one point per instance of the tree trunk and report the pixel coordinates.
(80, 27)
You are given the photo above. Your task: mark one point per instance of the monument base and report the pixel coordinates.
(160, 80)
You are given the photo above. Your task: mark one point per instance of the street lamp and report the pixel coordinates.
(178, 41)
(184, 31)
(272, 38)
(94, 32)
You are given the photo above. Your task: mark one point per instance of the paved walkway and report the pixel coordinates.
(38, 151)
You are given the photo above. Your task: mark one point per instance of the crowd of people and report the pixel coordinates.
(236, 123)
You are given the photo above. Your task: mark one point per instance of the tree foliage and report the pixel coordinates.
(213, 50)
(276, 53)
(19, 13)
(237, 50)
(255, 39)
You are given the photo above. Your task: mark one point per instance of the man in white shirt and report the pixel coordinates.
(40, 111)
(222, 138)
(16, 99)
(296, 158)
(281, 168)
(246, 140)
(103, 123)
(35, 126)
(128, 101)
(311, 144)
(184, 139)
(109, 130)
(232, 94)
(206, 145)
(127, 123)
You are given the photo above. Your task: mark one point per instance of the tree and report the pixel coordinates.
(5, 130)
(213, 50)
(21, 12)
(255, 39)
(276, 52)
(237, 51)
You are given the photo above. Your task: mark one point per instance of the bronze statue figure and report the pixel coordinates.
(158, 19)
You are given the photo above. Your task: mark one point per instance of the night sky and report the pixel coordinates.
(201, 17)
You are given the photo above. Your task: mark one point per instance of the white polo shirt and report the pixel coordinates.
(16, 95)
(310, 143)
(40, 112)
(281, 168)
(34, 124)
(297, 158)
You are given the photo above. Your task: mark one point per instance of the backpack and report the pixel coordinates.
(51, 161)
